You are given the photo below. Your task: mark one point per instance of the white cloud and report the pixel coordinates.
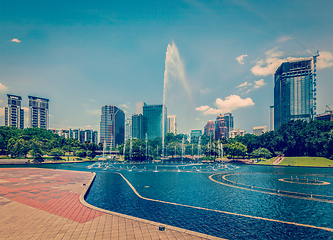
(3, 88)
(92, 100)
(198, 119)
(125, 105)
(88, 126)
(325, 60)
(15, 40)
(246, 84)
(258, 84)
(230, 103)
(268, 66)
(240, 59)
(284, 39)
(205, 91)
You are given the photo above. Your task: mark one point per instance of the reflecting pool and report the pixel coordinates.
(225, 200)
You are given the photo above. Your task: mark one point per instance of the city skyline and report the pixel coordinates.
(87, 55)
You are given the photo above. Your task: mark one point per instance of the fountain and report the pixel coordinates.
(199, 147)
(146, 147)
(124, 150)
(131, 148)
(182, 149)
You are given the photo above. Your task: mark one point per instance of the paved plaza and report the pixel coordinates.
(49, 204)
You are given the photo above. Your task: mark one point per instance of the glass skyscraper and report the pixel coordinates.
(139, 126)
(293, 92)
(229, 123)
(112, 126)
(154, 115)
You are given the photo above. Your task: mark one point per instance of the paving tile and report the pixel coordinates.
(44, 204)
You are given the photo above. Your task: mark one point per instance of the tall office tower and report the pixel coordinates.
(172, 124)
(74, 133)
(112, 126)
(229, 122)
(128, 128)
(259, 130)
(139, 107)
(271, 118)
(14, 115)
(154, 117)
(139, 126)
(209, 129)
(38, 112)
(293, 92)
(220, 127)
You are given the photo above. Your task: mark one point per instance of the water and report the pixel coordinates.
(244, 190)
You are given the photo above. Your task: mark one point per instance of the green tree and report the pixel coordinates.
(56, 153)
(261, 153)
(17, 147)
(235, 149)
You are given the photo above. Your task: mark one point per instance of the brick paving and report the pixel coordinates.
(49, 204)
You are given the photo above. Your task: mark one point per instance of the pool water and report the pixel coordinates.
(225, 200)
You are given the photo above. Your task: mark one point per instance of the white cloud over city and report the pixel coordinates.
(3, 88)
(229, 104)
(268, 66)
(248, 87)
(240, 59)
(15, 40)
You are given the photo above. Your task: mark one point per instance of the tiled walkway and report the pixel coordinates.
(45, 204)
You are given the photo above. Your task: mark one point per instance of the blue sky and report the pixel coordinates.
(85, 54)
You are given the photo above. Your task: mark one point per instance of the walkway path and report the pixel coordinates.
(45, 204)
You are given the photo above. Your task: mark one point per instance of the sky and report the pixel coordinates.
(207, 57)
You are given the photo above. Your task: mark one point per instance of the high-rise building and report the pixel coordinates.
(14, 115)
(81, 135)
(293, 92)
(128, 128)
(38, 112)
(139, 126)
(236, 132)
(139, 107)
(112, 126)
(220, 127)
(271, 118)
(229, 122)
(196, 133)
(259, 130)
(209, 129)
(154, 117)
(172, 124)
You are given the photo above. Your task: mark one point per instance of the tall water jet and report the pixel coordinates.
(182, 148)
(174, 70)
(131, 148)
(199, 147)
(146, 147)
(124, 149)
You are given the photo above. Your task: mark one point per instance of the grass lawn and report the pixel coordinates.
(307, 161)
(267, 162)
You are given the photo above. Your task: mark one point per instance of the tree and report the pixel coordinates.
(261, 152)
(80, 153)
(36, 149)
(56, 152)
(17, 147)
(235, 149)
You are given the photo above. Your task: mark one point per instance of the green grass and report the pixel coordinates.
(267, 162)
(307, 161)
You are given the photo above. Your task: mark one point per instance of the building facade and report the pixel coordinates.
(154, 118)
(14, 114)
(79, 134)
(172, 124)
(38, 112)
(271, 118)
(196, 133)
(229, 123)
(209, 129)
(139, 126)
(236, 132)
(112, 126)
(220, 127)
(293, 92)
(128, 128)
(139, 107)
(259, 130)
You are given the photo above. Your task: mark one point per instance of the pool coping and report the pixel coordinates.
(83, 201)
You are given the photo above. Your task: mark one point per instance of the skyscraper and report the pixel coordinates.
(259, 130)
(271, 118)
(112, 126)
(220, 127)
(229, 122)
(38, 112)
(209, 129)
(172, 124)
(139, 107)
(139, 126)
(154, 115)
(14, 115)
(293, 92)
(128, 128)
